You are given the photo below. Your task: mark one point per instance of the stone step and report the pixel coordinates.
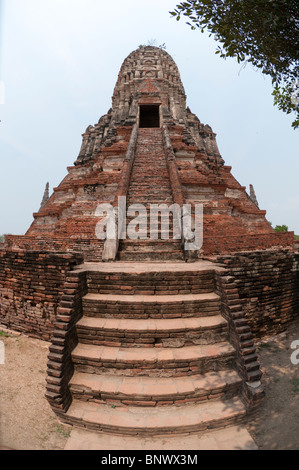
(158, 168)
(155, 188)
(148, 206)
(164, 228)
(229, 438)
(151, 136)
(165, 240)
(152, 278)
(159, 245)
(141, 163)
(147, 141)
(147, 306)
(149, 421)
(163, 233)
(164, 194)
(167, 229)
(160, 362)
(140, 166)
(141, 184)
(148, 191)
(150, 255)
(154, 183)
(144, 155)
(153, 391)
(155, 155)
(148, 200)
(176, 332)
(146, 174)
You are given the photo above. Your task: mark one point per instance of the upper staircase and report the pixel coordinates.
(150, 184)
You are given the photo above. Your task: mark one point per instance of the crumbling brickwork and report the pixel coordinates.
(64, 340)
(31, 284)
(267, 284)
(119, 155)
(175, 336)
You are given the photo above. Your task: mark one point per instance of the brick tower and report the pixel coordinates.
(146, 349)
(150, 149)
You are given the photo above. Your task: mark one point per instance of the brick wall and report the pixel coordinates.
(241, 336)
(213, 245)
(267, 283)
(91, 249)
(31, 284)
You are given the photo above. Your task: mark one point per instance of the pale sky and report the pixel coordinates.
(59, 61)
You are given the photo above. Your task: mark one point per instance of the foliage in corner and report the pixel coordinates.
(264, 33)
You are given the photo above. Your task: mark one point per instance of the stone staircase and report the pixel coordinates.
(150, 184)
(153, 356)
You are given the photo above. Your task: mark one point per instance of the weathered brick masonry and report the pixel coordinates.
(150, 148)
(143, 322)
(64, 340)
(267, 287)
(31, 286)
(91, 249)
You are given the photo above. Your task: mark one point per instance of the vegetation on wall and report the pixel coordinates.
(281, 228)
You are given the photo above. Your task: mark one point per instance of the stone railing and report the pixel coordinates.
(178, 196)
(64, 340)
(241, 337)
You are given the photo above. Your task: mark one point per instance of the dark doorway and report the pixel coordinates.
(149, 116)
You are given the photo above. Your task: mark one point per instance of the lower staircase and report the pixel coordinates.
(152, 365)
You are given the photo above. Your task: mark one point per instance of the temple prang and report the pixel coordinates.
(164, 333)
(116, 160)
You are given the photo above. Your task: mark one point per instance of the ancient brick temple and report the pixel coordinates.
(149, 338)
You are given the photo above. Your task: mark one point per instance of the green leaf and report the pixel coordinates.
(264, 33)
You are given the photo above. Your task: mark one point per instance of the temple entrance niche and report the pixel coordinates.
(149, 116)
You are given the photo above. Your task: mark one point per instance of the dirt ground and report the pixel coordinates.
(276, 426)
(26, 419)
(28, 423)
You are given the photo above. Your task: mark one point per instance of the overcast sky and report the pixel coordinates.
(59, 61)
